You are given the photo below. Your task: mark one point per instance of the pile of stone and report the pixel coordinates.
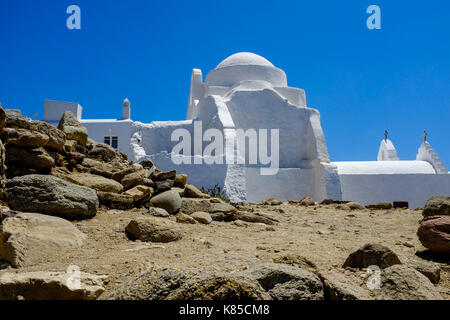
(60, 171)
(434, 229)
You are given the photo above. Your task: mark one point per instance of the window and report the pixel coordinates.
(113, 141)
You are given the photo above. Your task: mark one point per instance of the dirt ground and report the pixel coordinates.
(323, 234)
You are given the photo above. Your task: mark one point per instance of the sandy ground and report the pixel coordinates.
(325, 235)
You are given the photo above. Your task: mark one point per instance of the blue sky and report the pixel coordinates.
(362, 81)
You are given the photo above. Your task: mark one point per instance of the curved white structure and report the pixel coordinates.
(242, 98)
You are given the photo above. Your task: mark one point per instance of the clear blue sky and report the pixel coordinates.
(362, 81)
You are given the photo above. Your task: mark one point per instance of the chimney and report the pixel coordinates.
(126, 110)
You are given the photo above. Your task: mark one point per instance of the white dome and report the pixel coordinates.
(245, 59)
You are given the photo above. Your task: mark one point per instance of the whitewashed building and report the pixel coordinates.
(246, 92)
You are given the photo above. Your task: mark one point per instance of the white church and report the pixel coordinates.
(246, 91)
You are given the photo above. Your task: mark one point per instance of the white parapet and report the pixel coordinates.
(426, 153)
(387, 151)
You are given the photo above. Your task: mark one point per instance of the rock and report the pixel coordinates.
(372, 254)
(400, 282)
(430, 270)
(295, 259)
(73, 129)
(341, 286)
(147, 164)
(115, 200)
(180, 180)
(381, 205)
(43, 285)
(119, 175)
(184, 218)
(179, 190)
(163, 185)
(140, 193)
(57, 138)
(2, 165)
(255, 217)
(191, 205)
(272, 202)
(202, 217)
(50, 195)
(2, 119)
(133, 179)
(191, 191)
(158, 212)
(14, 118)
(434, 233)
(437, 206)
(100, 168)
(76, 156)
(95, 182)
(26, 238)
(308, 201)
(38, 158)
(355, 206)
(105, 153)
(70, 145)
(285, 282)
(152, 229)
(24, 138)
(189, 284)
(164, 175)
(168, 200)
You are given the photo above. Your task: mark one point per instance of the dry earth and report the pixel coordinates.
(324, 234)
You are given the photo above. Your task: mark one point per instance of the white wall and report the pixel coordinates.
(53, 110)
(287, 184)
(414, 188)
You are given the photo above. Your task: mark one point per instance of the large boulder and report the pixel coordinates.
(98, 167)
(95, 182)
(15, 118)
(50, 195)
(434, 233)
(105, 153)
(24, 138)
(73, 129)
(286, 282)
(26, 238)
(400, 282)
(189, 284)
(429, 269)
(133, 179)
(168, 200)
(151, 229)
(42, 285)
(372, 254)
(57, 138)
(341, 286)
(437, 206)
(217, 209)
(39, 158)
